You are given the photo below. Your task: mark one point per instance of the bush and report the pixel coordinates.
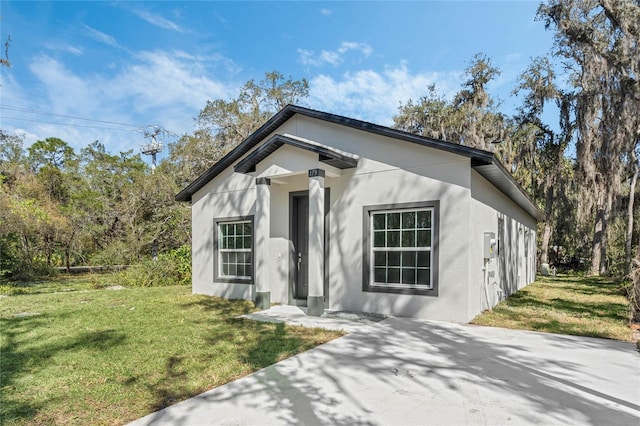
(173, 268)
(116, 253)
(26, 271)
(16, 266)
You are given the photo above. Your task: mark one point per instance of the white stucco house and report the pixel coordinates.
(329, 212)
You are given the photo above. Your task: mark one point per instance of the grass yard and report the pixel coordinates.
(59, 284)
(70, 355)
(581, 306)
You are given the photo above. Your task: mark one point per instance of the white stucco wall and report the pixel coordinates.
(392, 173)
(514, 266)
(228, 195)
(389, 172)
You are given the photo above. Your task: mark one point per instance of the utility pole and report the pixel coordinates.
(152, 148)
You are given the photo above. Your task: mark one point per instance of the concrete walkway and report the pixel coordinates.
(331, 320)
(402, 371)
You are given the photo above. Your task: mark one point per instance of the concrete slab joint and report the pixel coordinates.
(315, 299)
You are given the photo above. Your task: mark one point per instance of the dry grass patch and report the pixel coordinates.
(581, 306)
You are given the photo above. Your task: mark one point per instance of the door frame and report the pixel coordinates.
(292, 252)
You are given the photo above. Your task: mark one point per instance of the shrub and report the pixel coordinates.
(116, 253)
(16, 265)
(173, 268)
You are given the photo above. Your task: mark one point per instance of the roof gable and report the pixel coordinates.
(326, 154)
(484, 162)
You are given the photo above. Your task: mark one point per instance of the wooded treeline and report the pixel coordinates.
(581, 166)
(573, 145)
(62, 208)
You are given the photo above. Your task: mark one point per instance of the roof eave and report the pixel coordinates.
(499, 177)
(233, 155)
(289, 111)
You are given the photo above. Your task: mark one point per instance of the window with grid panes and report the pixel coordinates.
(234, 249)
(401, 248)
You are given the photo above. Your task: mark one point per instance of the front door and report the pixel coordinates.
(300, 238)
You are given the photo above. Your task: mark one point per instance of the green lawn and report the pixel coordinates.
(59, 284)
(582, 306)
(111, 356)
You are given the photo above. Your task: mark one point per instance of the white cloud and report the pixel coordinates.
(326, 12)
(170, 88)
(77, 51)
(161, 79)
(28, 137)
(306, 58)
(159, 21)
(100, 36)
(374, 96)
(62, 88)
(163, 88)
(333, 57)
(352, 45)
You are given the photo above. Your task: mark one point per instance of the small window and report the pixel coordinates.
(401, 248)
(234, 250)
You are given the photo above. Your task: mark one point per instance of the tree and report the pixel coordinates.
(192, 155)
(480, 122)
(51, 151)
(551, 170)
(635, 172)
(11, 148)
(31, 226)
(431, 116)
(5, 62)
(223, 124)
(232, 121)
(634, 293)
(153, 221)
(54, 163)
(97, 204)
(598, 40)
(471, 119)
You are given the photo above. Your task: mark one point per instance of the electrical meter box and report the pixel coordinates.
(490, 245)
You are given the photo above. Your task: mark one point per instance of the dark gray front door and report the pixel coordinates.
(300, 221)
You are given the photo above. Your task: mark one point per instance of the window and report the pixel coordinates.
(234, 250)
(401, 248)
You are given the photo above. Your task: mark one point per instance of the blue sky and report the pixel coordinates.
(143, 63)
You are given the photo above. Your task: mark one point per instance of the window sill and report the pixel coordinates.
(419, 291)
(229, 280)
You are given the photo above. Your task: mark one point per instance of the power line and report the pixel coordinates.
(74, 125)
(32, 111)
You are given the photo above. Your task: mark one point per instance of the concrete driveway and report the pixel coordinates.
(402, 371)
